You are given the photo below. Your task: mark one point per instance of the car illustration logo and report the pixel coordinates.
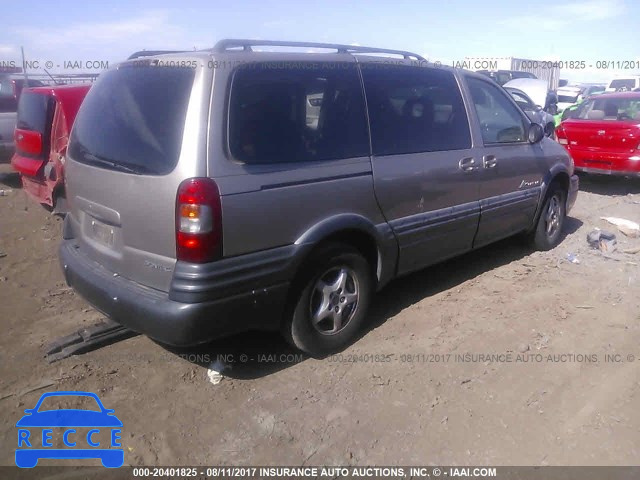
(77, 430)
(601, 132)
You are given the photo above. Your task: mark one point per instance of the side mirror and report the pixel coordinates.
(536, 133)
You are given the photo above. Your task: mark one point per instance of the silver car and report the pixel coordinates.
(224, 190)
(533, 111)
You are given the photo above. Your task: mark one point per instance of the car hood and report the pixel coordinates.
(69, 418)
(536, 89)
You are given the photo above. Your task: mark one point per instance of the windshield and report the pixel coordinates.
(133, 119)
(610, 109)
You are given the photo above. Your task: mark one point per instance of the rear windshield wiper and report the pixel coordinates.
(111, 163)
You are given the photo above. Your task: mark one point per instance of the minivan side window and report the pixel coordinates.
(297, 112)
(500, 120)
(414, 110)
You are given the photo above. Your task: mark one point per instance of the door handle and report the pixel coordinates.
(489, 161)
(467, 164)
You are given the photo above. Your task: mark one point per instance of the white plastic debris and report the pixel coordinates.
(573, 258)
(629, 228)
(215, 372)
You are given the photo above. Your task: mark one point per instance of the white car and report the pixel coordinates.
(572, 94)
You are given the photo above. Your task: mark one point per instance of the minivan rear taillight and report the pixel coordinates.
(198, 221)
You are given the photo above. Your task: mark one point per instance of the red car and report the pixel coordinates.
(45, 117)
(603, 136)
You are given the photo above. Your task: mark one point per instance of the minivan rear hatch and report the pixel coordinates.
(33, 131)
(136, 137)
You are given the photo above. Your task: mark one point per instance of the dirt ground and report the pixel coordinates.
(419, 387)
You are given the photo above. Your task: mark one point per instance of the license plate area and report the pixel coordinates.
(102, 232)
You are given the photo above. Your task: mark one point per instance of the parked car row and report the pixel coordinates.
(413, 166)
(277, 196)
(44, 120)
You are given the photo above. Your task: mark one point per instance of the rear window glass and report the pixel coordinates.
(600, 108)
(133, 119)
(297, 112)
(33, 112)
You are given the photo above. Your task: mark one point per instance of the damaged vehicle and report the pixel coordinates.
(45, 117)
(283, 193)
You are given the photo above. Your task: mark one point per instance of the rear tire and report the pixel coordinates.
(551, 220)
(330, 300)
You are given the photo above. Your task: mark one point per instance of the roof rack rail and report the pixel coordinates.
(151, 53)
(226, 44)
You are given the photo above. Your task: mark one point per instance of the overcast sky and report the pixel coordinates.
(447, 31)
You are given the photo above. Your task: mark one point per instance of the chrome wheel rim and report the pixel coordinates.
(334, 300)
(553, 216)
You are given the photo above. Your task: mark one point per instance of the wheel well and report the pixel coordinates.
(562, 179)
(361, 241)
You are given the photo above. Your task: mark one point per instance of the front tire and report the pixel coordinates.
(551, 220)
(329, 305)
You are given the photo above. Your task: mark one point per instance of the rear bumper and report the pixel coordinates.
(608, 171)
(234, 307)
(606, 163)
(572, 194)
